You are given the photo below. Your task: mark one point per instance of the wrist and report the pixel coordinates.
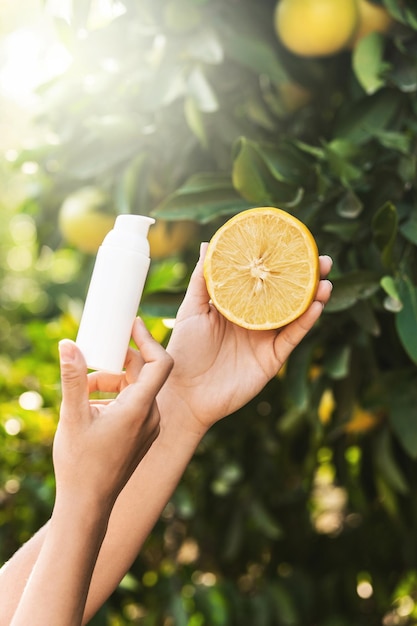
(174, 410)
(90, 514)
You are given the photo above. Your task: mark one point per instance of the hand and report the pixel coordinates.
(219, 366)
(98, 444)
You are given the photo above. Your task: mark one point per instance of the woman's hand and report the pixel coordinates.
(97, 447)
(98, 444)
(219, 366)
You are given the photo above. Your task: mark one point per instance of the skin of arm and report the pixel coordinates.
(218, 367)
(96, 448)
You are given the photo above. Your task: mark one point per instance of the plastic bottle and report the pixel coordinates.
(114, 294)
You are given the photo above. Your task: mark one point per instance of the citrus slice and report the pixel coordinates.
(262, 268)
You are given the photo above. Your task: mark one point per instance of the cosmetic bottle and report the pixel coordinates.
(114, 294)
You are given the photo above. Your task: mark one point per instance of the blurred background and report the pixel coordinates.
(300, 510)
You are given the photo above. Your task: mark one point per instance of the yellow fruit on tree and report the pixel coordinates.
(262, 268)
(372, 18)
(326, 406)
(316, 27)
(82, 220)
(168, 238)
(361, 421)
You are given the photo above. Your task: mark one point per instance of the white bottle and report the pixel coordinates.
(114, 294)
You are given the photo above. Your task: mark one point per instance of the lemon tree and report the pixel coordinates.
(194, 111)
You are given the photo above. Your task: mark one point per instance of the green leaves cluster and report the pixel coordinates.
(192, 109)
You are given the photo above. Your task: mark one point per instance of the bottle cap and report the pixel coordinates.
(130, 231)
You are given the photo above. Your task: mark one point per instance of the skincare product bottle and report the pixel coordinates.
(114, 293)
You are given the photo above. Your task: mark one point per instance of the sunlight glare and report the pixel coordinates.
(30, 60)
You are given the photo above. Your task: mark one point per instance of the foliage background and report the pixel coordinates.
(300, 509)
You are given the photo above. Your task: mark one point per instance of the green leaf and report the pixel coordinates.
(394, 141)
(130, 191)
(407, 169)
(201, 91)
(389, 285)
(403, 12)
(268, 175)
(177, 610)
(285, 162)
(64, 32)
(348, 289)
(337, 361)
(365, 118)
(349, 205)
(345, 231)
(386, 464)
(195, 120)
(364, 315)
(217, 605)
(296, 376)
(402, 402)
(264, 521)
(205, 47)
(250, 175)
(163, 305)
(409, 228)
(404, 74)
(164, 86)
(339, 154)
(252, 52)
(164, 276)
(203, 198)
(260, 611)
(406, 319)
(284, 603)
(368, 62)
(184, 502)
(386, 496)
(384, 230)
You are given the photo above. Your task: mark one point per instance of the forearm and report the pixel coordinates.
(57, 587)
(142, 501)
(133, 516)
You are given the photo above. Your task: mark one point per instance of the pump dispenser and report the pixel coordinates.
(114, 293)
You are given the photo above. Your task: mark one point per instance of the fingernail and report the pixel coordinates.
(66, 351)
(203, 246)
(141, 323)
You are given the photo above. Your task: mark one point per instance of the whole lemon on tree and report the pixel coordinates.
(84, 219)
(372, 18)
(168, 238)
(316, 27)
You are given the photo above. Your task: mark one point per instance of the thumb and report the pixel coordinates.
(74, 380)
(196, 299)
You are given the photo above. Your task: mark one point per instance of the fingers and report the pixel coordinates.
(106, 382)
(152, 375)
(196, 299)
(115, 383)
(325, 287)
(326, 263)
(324, 291)
(73, 381)
(294, 333)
